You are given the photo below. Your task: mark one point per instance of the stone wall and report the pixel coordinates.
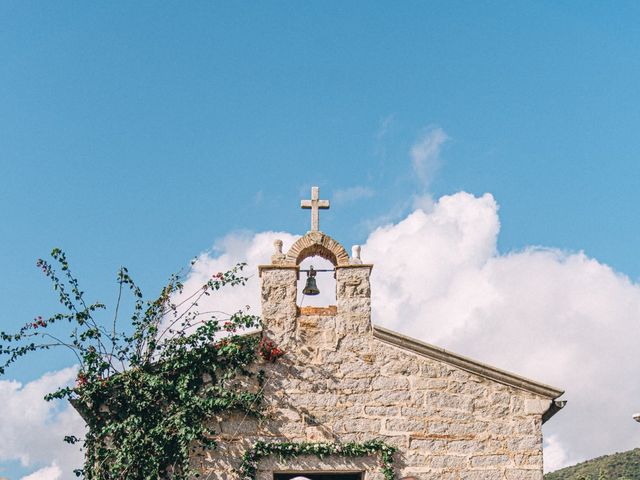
(339, 383)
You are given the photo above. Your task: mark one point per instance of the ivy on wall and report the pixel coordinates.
(147, 389)
(285, 450)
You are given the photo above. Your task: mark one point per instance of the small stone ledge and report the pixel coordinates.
(329, 311)
(355, 266)
(261, 268)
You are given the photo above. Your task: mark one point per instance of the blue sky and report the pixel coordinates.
(139, 133)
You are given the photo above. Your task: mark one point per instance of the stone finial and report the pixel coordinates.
(278, 257)
(355, 255)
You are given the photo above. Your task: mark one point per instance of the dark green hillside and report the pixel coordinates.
(619, 466)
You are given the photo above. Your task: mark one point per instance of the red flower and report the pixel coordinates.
(268, 350)
(230, 327)
(81, 380)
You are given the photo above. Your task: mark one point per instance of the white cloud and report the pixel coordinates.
(52, 472)
(419, 259)
(555, 456)
(352, 194)
(32, 430)
(385, 128)
(425, 153)
(385, 125)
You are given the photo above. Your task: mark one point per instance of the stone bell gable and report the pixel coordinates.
(292, 326)
(344, 380)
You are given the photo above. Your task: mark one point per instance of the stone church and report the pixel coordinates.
(345, 381)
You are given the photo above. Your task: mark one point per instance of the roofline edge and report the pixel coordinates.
(465, 363)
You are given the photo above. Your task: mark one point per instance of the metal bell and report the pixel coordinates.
(311, 288)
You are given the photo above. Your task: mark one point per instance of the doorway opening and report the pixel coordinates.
(318, 476)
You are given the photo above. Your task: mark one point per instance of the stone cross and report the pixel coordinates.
(315, 204)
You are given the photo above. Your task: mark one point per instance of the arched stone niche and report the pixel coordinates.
(316, 244)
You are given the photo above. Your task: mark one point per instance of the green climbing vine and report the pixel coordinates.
(251, 457)
(146, 390)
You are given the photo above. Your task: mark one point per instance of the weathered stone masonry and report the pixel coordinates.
(343, 380)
